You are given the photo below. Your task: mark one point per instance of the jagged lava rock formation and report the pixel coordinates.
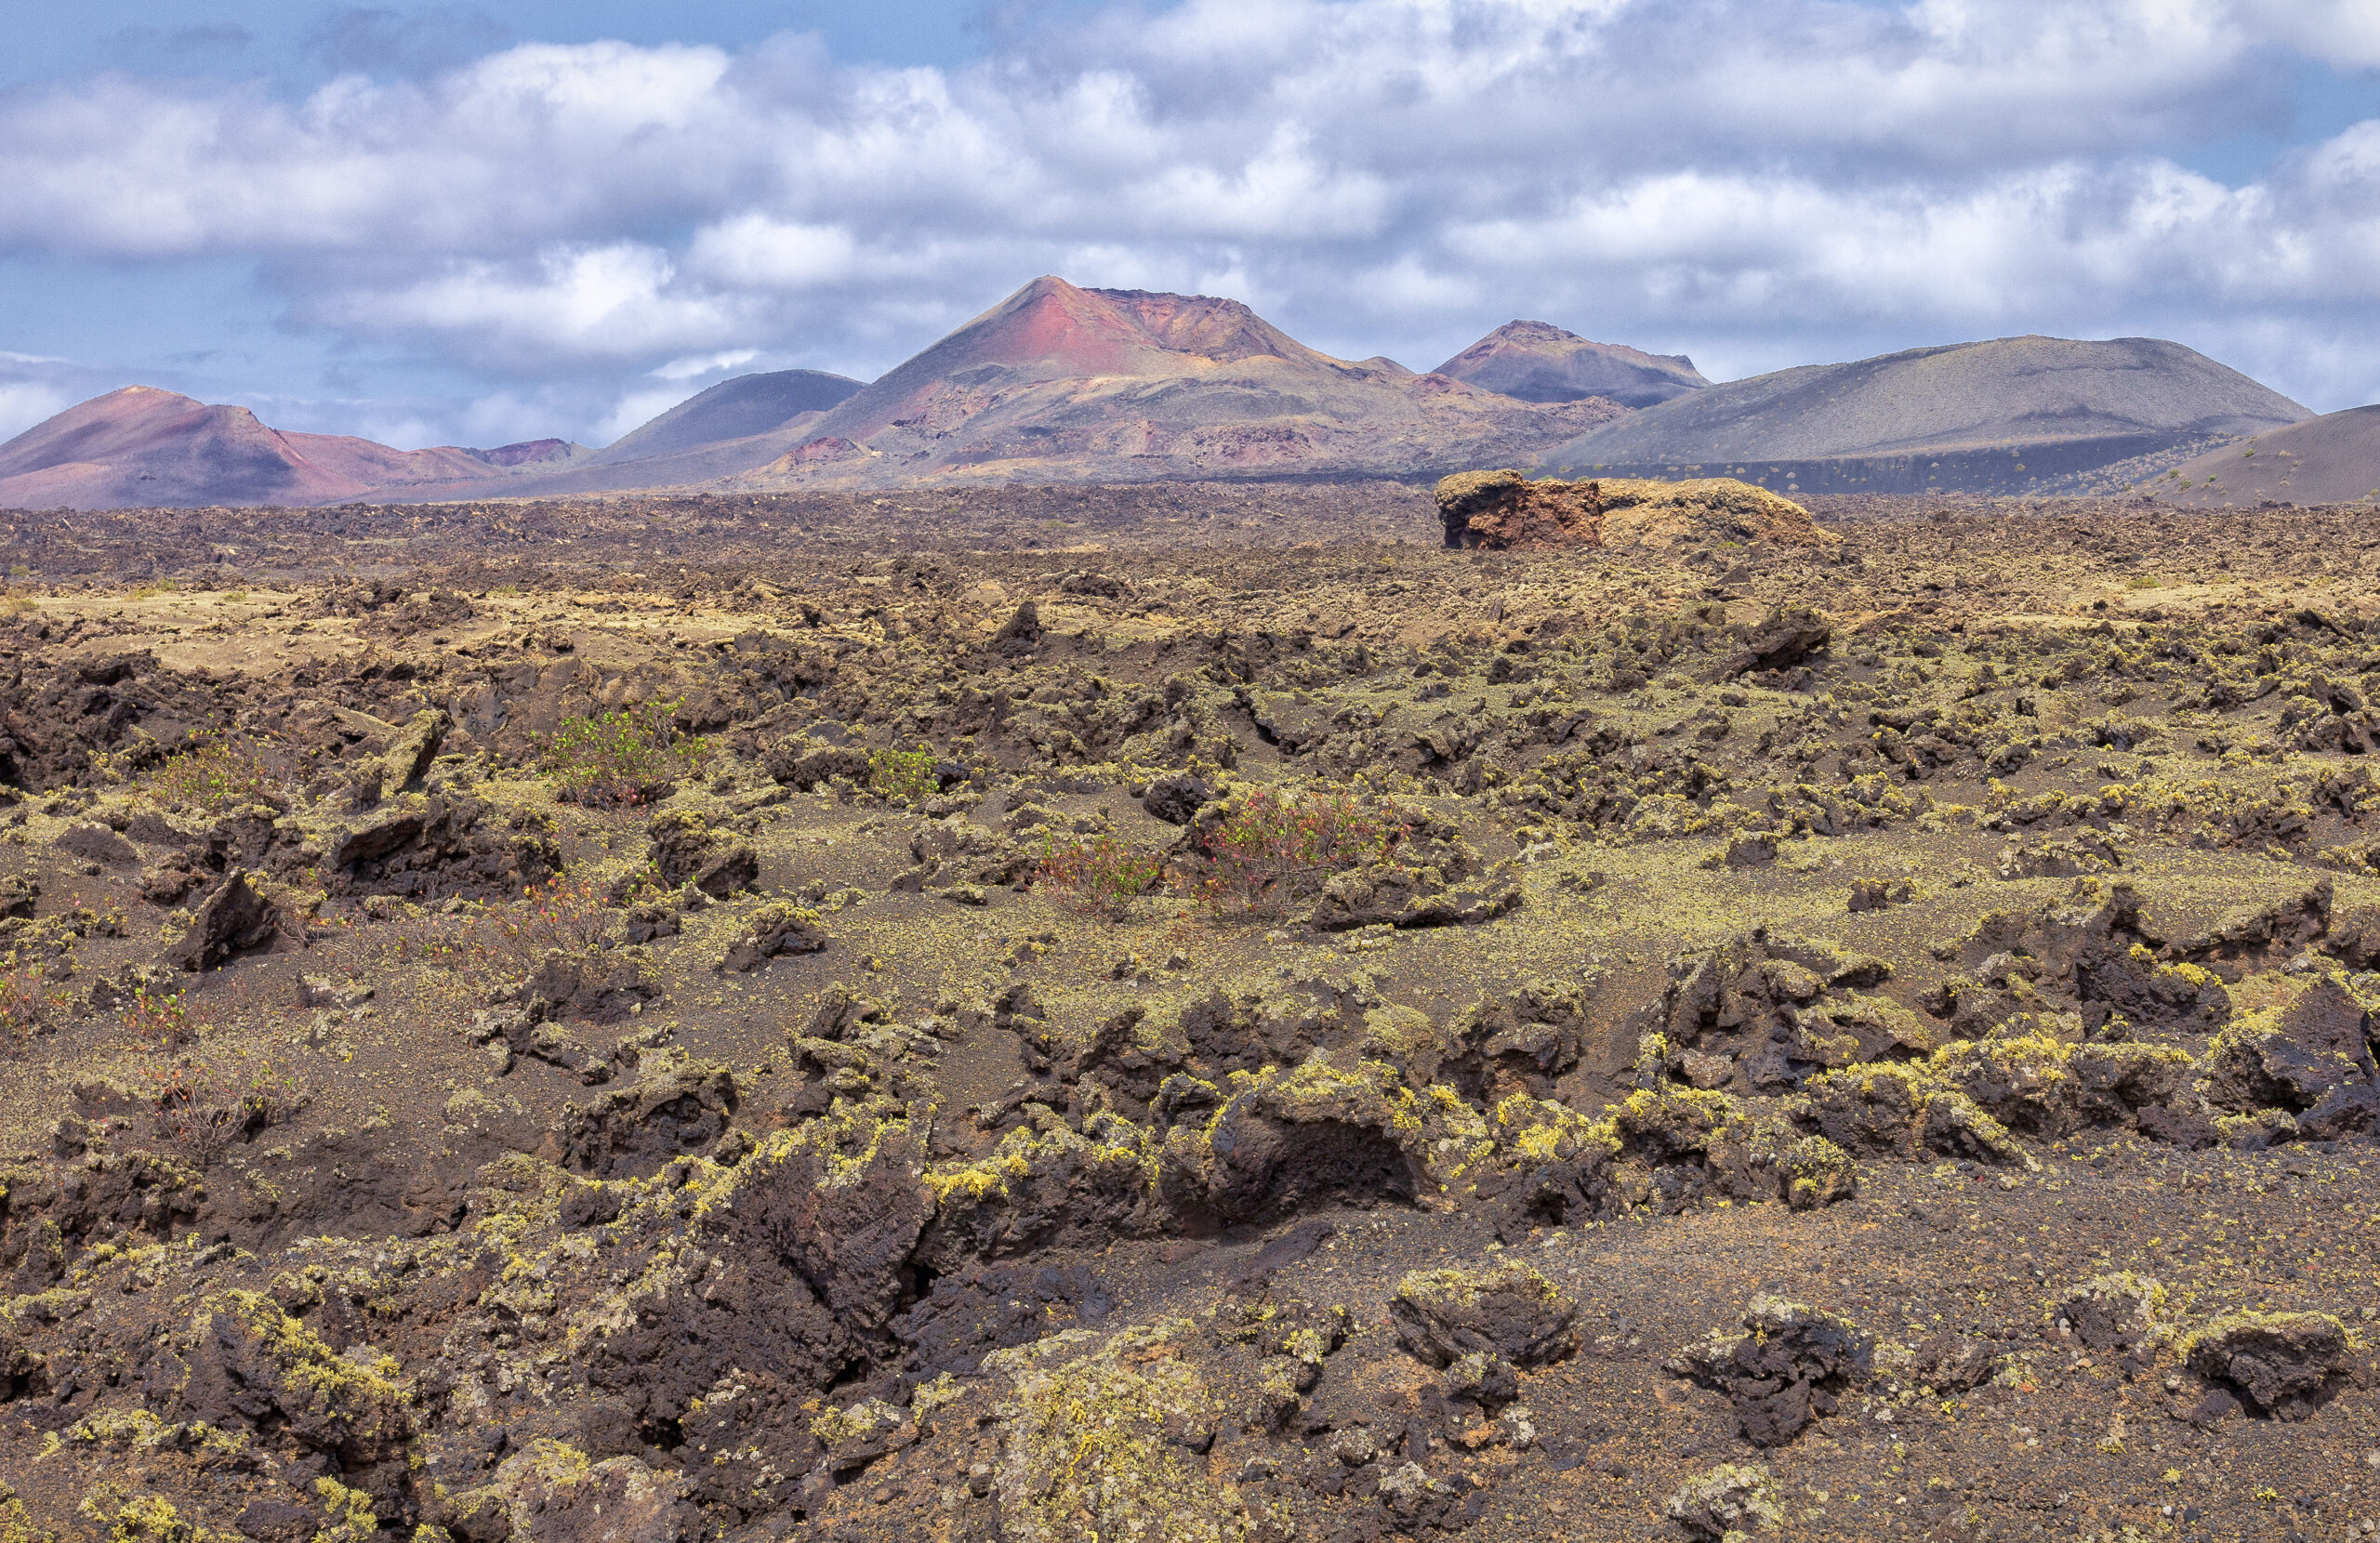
(1500, 510)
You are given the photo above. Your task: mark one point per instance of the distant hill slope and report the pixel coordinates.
(2332, 459)
(2003, 416)
(729, 428)
(140, 446)
(734, 409)
(1058, 383)
(1539, 362)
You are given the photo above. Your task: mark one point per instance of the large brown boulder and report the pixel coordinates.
(689, 849)
(554, 1494)
(1494, 511)
(2287, 1362)
(1508, 1310)
(1791, 1366)
(1703, 511)
(2291, 1057)
(250, 1364)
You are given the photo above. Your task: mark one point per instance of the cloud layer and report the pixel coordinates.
(1760, 182)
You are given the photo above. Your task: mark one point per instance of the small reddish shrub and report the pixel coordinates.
(203, 1111)
(159, 1022)
(1275, 849)
(1103, 876)
(27, 1001)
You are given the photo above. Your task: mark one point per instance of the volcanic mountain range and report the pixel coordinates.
(143, 447)
(1970, 416)
(1059, 384)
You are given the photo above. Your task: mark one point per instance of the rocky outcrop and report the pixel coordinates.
(776, 928)
(687, 849)
(1496, 510)
(2287, 1362)
(1790, 1366)
(674, 1109)
(1720, 1503)
(554, 1494)
(2091, 954)
(249, 1364)
(1509, 1311)
(2316, 1049)
(597, 985)
(232, 920)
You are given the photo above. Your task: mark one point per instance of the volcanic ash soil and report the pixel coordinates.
(1237, 1024)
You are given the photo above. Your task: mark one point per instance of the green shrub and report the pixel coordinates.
(1275, 849)
(1103, 876)
(226, 774)
(902, 774)
(156, 1023)
(630, 756)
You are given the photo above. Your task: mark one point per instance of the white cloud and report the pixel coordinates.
(1754, 180)
(2344, 32)
(25, 403)
(508, 417)
(1285, 191)
(34, 387)
(753, 251)
(691, 368)
(618, 302)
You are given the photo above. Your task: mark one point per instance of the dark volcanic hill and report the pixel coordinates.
(141, 446)
(2002, 416)
(2332, 459)
(1539, 362)
(729, 428)
(734, 409)
(1063, 384)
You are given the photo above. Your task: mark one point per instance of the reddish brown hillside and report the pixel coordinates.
(1539, 362)
(142, 446)
(1058, 383)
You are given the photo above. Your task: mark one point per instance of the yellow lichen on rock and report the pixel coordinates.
(1101, 1436)
(1642, 511)
(141, 1518)
(1507, 508)
(16, 1524)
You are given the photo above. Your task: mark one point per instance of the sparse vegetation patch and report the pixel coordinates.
(900, 774)
(1351, 1041)
(223, 774)
(1275, 849)
(1102, 874)
(625, 756)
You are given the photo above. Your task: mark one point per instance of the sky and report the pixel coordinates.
(479, 223)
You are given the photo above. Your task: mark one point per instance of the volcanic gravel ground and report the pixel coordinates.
(1187, 1013)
